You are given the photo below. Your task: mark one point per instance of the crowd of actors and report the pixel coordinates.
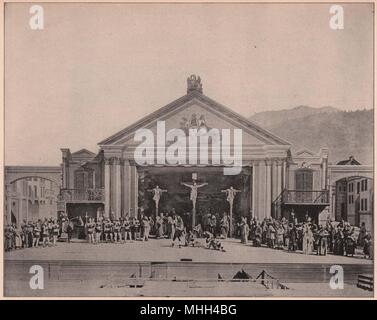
(129, 229)
(32, 234)
(306, 236)
(284, 234)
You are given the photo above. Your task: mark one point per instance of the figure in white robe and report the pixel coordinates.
(230, 195)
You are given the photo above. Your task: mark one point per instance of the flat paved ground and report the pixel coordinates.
(161, 250)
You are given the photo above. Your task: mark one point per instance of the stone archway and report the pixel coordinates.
(14, 173)
(339, 173)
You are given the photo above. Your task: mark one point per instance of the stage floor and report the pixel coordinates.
(83, 269)
(161, 251)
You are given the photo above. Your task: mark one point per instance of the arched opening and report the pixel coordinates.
(353, 200)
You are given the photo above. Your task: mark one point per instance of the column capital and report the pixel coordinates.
(268, 162)
(256, 163)
(277, 161)
(113, 160)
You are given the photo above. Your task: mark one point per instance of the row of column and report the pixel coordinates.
(269, 180)
(121, 188)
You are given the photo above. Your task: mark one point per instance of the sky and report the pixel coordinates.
(96, 68)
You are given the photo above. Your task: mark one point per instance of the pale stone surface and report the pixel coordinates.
(161, 250)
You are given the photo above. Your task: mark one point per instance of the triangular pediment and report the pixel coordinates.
(83, 154)
(305, 153)
(194, 110)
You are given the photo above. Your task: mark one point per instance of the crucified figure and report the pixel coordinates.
(157, 192)
(193, 195)
(194, 191)
(230, 194)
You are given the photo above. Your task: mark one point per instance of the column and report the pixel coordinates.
(279, 177)
(252, 190)
(94, 179)
(284, 183)
(64, 178)
(117, 191)
(126, 188)
(134, 190)
(107, 188)
(256, 213)
(274, 180)
(324, 173)
(261, 193)
(268, 188)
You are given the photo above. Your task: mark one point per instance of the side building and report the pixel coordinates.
(31, 199)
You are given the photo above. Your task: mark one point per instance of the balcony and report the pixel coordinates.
(87, 195)
(312, 197)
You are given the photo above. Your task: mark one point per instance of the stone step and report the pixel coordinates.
(365, 281)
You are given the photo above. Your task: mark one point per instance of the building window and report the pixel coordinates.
(366, 185)
(364, 204)
(358, 187)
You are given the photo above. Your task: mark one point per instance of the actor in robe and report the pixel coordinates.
(178, 232)
(323, 235)
(307, 238)
(224, 224)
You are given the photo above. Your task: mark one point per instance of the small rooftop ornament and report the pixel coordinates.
(194, 83)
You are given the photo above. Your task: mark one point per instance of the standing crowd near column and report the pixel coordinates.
(339, 238)
(32, 234)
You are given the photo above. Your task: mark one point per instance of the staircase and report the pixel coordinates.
(365, 281)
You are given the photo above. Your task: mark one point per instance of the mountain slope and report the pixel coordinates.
(272, 118)
(344, 133)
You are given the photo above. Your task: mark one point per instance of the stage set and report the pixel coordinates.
(272, 182)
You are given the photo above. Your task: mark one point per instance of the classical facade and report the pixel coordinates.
(272, 181)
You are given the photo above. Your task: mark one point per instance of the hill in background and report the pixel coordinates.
(345, 133)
